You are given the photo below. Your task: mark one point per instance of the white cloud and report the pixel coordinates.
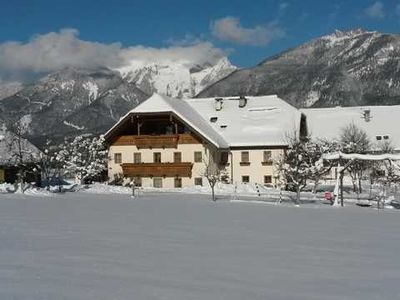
(229, 29)
(56, 50)
(198, 53)
(375, 11)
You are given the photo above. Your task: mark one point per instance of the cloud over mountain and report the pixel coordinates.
(53, 51)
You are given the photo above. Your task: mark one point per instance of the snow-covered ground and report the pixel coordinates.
(183, 246)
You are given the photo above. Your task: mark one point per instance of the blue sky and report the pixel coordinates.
(249, 31)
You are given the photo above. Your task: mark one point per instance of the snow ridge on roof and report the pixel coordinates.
(381, 121)
(263, 121)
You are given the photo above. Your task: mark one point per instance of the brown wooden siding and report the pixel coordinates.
(155, 141)
(183, 169)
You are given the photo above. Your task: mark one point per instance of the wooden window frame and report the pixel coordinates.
(161, 182)
(243, 160)
(154, 157)
(270, 180)
(267, 159)
(196, 181)
(198, 156)
(178, 179)
(135, 155)
(118, 158)
(177, 154)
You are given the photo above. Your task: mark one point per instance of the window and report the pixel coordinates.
(198, 157)
(157, 157)
(378, 137)
(177, 157)
(245, 161)
(198, 181)
(157, 182)
(137, 157)
(267, 155)
(117, 158)
(245, 179)
(224, 158)
(267, 179)
(385, 137)
(138, 181)
(178, 182)
(267, 158)
(245, 156)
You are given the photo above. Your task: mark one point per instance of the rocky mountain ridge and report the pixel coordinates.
(348, 68)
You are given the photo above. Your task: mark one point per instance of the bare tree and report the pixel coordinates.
(355, 140)
(50, 167)
(212, 173)
(22, 154)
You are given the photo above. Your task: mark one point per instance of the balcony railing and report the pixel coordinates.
(183, 169)
(155, 141)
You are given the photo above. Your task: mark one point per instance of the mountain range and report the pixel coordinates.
(341, 69)
(344, 68)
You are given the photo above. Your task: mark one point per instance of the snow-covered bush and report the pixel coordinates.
(303, 161)
(84, 157)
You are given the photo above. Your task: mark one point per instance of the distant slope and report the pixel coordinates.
(344, 68)
(71, 102)
(178, 79)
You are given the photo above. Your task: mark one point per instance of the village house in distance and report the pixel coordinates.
(166, 142)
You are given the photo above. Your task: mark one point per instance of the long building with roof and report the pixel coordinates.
(381, 123)
(166, 142)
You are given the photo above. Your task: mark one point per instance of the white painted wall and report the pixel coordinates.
(255, 170)
(167, 156)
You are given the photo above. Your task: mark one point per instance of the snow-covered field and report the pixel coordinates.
(178, 246)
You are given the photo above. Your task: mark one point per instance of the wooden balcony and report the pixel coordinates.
(183, 169)
(155, 141)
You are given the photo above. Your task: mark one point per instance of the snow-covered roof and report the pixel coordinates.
(163, 104)
(8, 148)
(376, 121)
(263, 121)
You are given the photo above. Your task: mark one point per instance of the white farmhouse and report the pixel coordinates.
(166, 142)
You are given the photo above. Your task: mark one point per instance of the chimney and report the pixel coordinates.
(218, 104)
(242, 101)
(367, 115)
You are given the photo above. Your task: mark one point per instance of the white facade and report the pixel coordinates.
(167, 156)
(246, 135)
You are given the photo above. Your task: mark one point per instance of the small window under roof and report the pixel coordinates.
(386, 137)
(213, 119)
(378, 137)
(223, 126)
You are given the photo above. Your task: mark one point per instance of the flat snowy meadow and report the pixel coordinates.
(179, 246)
